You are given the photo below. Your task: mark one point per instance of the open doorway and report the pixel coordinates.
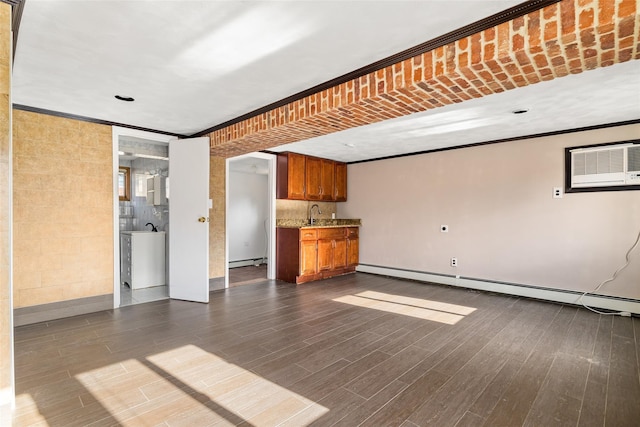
(250, 219)
(141, 216)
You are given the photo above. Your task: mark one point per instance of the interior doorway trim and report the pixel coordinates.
(117, 132)
(271, 245)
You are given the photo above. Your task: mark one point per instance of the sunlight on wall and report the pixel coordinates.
(241, 41)
(190, 384)
(414, 307)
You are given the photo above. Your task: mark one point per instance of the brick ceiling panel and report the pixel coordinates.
(569, 37)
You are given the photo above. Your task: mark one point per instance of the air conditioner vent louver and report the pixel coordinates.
(595, 162)
(633, 159)
(605, 166)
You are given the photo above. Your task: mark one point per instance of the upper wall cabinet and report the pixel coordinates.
(156, 190)
(301, 177)
(320, 179)
(340, 193)
(291, 176)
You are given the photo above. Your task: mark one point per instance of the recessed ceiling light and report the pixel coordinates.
(520, 111)
(124, 98)
(349, 145)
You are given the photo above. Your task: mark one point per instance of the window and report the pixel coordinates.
(124, 183)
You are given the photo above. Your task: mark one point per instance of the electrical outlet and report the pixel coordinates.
(557, 192)
(444, 228)
(454, 262)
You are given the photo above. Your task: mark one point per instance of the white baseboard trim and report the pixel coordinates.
(548, 294)
(247, 262)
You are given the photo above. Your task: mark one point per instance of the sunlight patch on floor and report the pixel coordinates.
(415, 307)
(27, 410)
(419, 302)
(191, 384)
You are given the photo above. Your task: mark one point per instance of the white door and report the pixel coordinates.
(189, 219)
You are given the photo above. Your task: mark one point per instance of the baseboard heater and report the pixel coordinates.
(557, 295)
(247, 262)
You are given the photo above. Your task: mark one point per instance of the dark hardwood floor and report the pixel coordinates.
(247, 275)
(240, 276)
(348, 351)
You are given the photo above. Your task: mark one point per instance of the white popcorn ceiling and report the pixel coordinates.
(191, 65)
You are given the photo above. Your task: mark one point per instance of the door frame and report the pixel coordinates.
(117, 132)
(271, 186)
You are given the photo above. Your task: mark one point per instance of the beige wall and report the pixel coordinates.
(63, 209)
(6, 340)
(504, 223)
(217, 193)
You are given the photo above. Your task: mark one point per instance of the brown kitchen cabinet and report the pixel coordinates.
(320, 179)
(353, 246)
(301, 177)
(332, 249)
(327, 180)
(290, 176)
(313, 180)
(340, 183)
(308, 254)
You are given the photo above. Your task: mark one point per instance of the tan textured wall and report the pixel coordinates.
(503, 222)
(217, 193)
(6, 341)
(63, 209)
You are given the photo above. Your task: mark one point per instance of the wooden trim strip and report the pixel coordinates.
(12, 2)
(16, 18)
(468, 30)
(497, 141)
(90, 119)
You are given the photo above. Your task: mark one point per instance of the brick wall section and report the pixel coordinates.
(569, 37)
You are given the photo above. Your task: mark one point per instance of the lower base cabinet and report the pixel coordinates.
(308, 254)
(142, 259)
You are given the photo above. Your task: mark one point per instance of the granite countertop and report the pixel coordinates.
(320, 223)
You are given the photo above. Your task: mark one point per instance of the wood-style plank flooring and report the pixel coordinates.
(240, 276)
(249, 275)
(354, 350)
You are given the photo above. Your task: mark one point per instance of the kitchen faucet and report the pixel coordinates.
(153, 227)
(311, 219)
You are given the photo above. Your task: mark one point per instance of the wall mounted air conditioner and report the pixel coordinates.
(614, 165)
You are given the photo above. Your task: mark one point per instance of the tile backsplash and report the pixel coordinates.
(299, 209)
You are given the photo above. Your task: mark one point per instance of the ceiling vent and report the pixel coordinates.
(613, 165)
